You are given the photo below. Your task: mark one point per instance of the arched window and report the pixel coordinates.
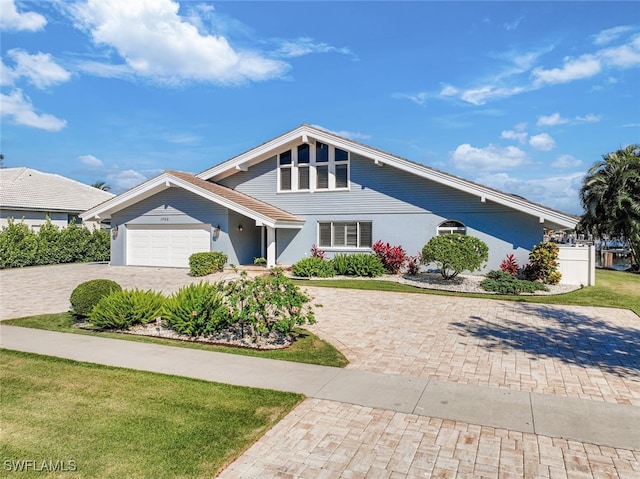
(451, 227)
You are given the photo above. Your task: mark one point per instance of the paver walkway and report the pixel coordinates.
(461, 356)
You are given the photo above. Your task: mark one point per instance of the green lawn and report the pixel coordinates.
(112, 423)
(308, 348)
(615, 289)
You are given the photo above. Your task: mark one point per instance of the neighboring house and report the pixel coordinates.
(33, 196)
(306, 187)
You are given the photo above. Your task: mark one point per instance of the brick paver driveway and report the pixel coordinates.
(581, 352)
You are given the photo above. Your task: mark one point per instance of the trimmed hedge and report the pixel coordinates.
(202, 264)
(86, 295)
(21, 246)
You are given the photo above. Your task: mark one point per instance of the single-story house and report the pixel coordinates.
(309, 186)
(33, 196)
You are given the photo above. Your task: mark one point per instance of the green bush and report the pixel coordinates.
(126, 308)
(543, 264)
(18, 245)
(202, 264)
(358, 264)
(313, 266)
(504, 283)
(267, 303)
(455, 253)
(197, 309)
(86, 295)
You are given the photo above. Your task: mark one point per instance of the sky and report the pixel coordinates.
(523, 97)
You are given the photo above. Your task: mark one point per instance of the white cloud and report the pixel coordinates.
(19, 108)
(418, 98)
(542, 142)
(40, 69)
(90, 160)
(566, 162)
(481, 95)
(448, 90)
(611, 34)
(305, 46)
(124, 180)
(6, 74)
(157, 43)
(508, 26)
(352, 135)
(520, 136)
(584, 66)
(590, 118)
(11, 19)
(623, 56)
(490, 158)
(558, 192)
(551, 120)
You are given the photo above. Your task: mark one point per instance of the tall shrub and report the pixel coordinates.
(18, 245)
(454, 253)
(543, 264)
(391, 257)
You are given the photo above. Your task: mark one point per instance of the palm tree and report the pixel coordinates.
(101, 185)
(610, 196)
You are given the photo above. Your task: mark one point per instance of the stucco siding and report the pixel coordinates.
(173, 206)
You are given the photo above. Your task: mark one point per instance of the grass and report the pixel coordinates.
(307, 348)
(112, 422)
(613, 289)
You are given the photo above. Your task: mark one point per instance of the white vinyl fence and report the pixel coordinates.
(577, 265)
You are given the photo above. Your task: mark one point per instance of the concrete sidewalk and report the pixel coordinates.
(605, 424)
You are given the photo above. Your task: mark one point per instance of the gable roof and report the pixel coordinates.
(26, 189)
(263, 213)
(306, 134)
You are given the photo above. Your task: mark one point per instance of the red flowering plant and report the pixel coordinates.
(510, 265)
(392, 257)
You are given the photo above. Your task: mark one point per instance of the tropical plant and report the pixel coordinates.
(610, 196)
(126, 308)
(510, 265)
(454, 253)
(543, 264)
(413, 264)
(317, 252)
(392, 257)
(358, 264)
(503, 282)
(101, 185)
(313, 266)
(197, 309)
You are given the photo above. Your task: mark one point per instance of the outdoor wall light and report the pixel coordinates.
(240, 228)
(216, 232)
(114, 232)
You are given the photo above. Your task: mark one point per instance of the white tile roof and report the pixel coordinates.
(28, 189)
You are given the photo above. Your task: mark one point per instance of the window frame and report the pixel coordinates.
(345, 246)
(460, 228)
(317, 170)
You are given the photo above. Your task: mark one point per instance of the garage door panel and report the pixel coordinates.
(161, 245)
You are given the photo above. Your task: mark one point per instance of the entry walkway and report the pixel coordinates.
(613, 425)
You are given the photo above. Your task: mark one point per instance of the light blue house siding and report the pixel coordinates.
(175, 206)
(404, 209)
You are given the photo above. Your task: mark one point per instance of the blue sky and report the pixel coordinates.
(520, 96)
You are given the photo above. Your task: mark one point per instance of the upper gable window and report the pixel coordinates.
(285, 167)
(318, 167)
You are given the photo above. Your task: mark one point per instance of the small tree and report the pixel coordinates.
(454, 253)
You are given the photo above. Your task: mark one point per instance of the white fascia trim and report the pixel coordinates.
(263, 151)
(267, 150)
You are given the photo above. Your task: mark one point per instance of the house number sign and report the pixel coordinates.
(164, 219)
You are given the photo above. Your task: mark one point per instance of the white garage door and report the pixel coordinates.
(160, 245)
